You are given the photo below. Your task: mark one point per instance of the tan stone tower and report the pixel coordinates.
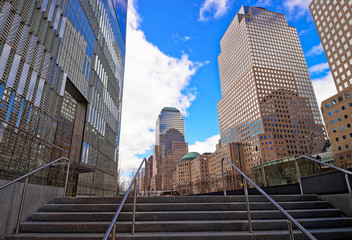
(267, 95)
(333, 20)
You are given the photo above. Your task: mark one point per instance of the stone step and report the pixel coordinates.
(182, 226)
(219, 206)
(183, 215)
(321, 234)
(184, 199)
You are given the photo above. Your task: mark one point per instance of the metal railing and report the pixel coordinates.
(245, 179)
(326, 164)
(26, 183)
(112, 228)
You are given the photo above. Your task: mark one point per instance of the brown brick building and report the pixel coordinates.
(333, 20)
(267, 100)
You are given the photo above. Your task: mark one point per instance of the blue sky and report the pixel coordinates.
(171, 60)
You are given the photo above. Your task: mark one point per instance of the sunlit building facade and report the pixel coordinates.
(333, 20)
(267, 99)
(61, 82)
(170, 147)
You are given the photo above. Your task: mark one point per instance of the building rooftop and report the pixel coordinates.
(190, 156)
(170, 109)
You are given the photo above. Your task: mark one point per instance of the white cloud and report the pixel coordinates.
(220, 7)
(319, 68)
(153, 80)
(315, 51)
(324, 88)
(209, 145)
(177, 37)
(297, 7)
(264, 3)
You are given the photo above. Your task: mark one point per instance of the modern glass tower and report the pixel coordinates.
(61, 82)
(170, 147)
(267, 99)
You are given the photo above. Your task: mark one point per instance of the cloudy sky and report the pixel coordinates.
(171, 60)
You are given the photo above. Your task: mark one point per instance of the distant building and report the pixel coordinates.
(182, 176)
(333, 20)
(149, 172)
(268, 101)
(234, 152)
(200, 174)
(170, 147)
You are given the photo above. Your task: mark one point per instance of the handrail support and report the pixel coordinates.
(250, 227)
(20, 210)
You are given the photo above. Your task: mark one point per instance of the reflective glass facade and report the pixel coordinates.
(61, 73)
(170, 147)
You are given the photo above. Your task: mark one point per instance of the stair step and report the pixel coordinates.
(321, 234)
(180, 226)
(184, 199)
(219, 206)
(183, 215)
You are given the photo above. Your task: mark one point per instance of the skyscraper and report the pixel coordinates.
(267, 95)
(61, 73)
(333, 20)
(170, 147)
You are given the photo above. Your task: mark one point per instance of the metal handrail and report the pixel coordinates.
(246, 178)
(112, 226)
(326, 164)
(26, 182)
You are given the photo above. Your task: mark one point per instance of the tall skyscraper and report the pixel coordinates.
(267, 95)
(61, 81)
(333, 20)
(170, 147)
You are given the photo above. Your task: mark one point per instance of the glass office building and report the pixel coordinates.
(61, 83)
(170, 147)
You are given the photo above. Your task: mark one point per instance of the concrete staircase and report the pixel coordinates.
(186, 218)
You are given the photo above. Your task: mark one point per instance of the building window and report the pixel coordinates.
(327, 105)
(334, 130)
(344, 136)
(341, 157)
(347, 95)
(337, 139)
(329, 113)
(346, 146)
(349, 125)
(332, 121)
(333, 102)
(339, 119)
(340, 98)
(339, 148)
(348, 155)
(343, 108)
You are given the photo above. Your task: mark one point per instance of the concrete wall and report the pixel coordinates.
(339, 201)
(10, 198)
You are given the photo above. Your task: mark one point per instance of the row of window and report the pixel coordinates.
(340, 99)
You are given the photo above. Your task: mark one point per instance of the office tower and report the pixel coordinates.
(267, 95)
(170, 147)
(182, 181)
(61, 73)
(333, 21)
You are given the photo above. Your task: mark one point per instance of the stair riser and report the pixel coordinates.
(183, 199)
(182, 207)
(182, 216)
(180, 227)
(298, 236)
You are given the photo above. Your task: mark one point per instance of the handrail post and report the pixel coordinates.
(21, 206)
(290, 230)
(113, 235)
(299, 176)
(223, 177)
(348, 184)
(134, 207)
(248, 207)
(66, 180)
